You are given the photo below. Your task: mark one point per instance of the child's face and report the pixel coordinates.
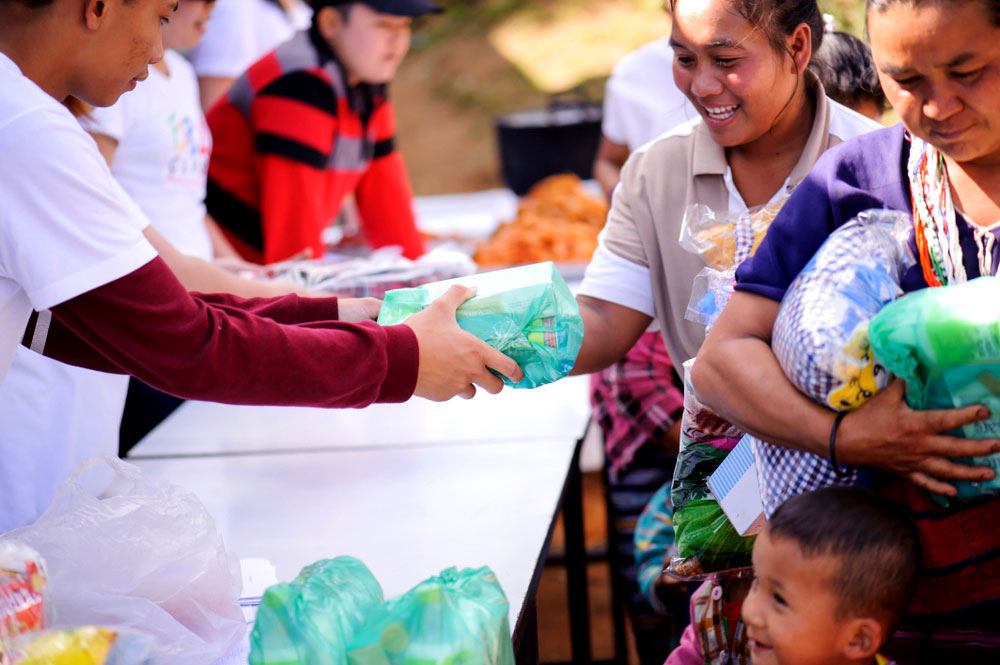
(370, 45)
(790, 612)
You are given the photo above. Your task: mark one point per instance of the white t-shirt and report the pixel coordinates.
(641, 100)
(66, 227)
(163, 150)
(240, 32)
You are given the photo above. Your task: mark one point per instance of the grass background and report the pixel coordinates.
(482, 58)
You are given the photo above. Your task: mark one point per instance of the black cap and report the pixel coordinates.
(395, 7)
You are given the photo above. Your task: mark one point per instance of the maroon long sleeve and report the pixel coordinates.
(281, 351)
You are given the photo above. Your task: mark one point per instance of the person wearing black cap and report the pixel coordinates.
(310, 124)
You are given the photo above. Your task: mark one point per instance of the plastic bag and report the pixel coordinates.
(705, 544)
(88, 645)
(312, 619)
(528, 313)
(24, 600)
(143, 553)
(820, 339)
(725, 240)
(356, 277)
(944, 342)
(458, 617)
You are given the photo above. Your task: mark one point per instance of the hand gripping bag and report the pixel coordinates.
(527, 313)
(820, 339)
(945, 343)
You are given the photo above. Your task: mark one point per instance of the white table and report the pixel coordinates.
(406, 513)
(556, 410)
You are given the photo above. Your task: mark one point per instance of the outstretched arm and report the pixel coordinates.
(609, 331)
(738, 376)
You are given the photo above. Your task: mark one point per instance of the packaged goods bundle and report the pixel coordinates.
(333, 614)
(725, 241)
(87, 645)
(820, 339)
(455, 617)
(313, 618)
(706, 540)
(23, 595)
(527, 313)
(944, 342)
(369, 276)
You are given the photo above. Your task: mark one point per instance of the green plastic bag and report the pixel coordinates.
(944, 342)
(527, 313)
(456, 618)
(707, 541)
(311, 620)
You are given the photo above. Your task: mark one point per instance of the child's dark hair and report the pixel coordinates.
(777, 19)
(875, 540)
(846, 68)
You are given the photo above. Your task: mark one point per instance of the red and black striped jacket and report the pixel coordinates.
(291, 141)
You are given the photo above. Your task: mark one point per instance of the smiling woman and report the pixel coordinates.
(939, 65)
(764, 121)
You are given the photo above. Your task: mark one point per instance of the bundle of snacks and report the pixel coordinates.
(528, 313)
(88, 645)
(725, 241)
(821, 339)
(459, 616)
(706, 541)
(944, 342)
(558, 220)
(313, 618)
(23, 597)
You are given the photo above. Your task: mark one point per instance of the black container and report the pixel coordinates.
(537, 143)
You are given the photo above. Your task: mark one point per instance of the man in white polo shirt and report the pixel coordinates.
(71, 250)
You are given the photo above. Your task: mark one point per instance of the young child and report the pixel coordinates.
(834, 571)
(309, 124)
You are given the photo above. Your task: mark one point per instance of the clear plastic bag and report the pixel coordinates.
(142, 553)
(528, 313)
(312, 619)
(457, 617)
(945, 343)
(820, 339)
(706, 540)
(725, 240)
(821, 333)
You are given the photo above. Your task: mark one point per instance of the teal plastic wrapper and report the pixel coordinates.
(528, 313)
(945, 343)
(456, 618)
(311, 620)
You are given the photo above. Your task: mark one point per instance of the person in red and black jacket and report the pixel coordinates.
(309, 124)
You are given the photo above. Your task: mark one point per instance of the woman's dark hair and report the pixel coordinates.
(992, 7)
(777, 19)
(845, 67)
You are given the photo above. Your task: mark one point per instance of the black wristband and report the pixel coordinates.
(833, 445)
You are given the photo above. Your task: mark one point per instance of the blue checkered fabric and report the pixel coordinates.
(853, 275)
